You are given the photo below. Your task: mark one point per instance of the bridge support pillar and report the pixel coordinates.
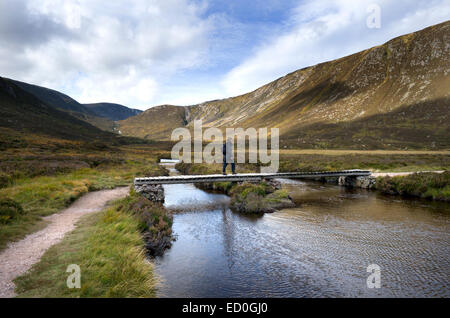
(365, 182)
(153, 192)
(274, 183)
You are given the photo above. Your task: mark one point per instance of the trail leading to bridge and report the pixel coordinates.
(19, 256)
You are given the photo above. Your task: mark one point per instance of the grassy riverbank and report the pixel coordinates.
(433, 186)
(155, 222)
(108, 246)
(327, 160)
(46, 194)
(374, 161)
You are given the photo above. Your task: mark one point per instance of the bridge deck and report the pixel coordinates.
(247, 177)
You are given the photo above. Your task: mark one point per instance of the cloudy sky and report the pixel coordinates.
(148, 52)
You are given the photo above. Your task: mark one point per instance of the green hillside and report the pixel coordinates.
(22, 112)
(101, 115)
(392, 96)
(54, 98)
(112, 111)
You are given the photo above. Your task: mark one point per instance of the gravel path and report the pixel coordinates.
(396, 174)
(19, 256)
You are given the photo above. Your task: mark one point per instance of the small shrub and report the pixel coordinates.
(277, 196)
(5, 180)
(9, 210)
(155, 222)
(258, 198)
(243, 190)
(224, 187)
(433, 186)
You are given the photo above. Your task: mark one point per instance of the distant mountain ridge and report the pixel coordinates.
(54, 98)
(86, 112)
(395, 95)
(23, 112)
(112, 111)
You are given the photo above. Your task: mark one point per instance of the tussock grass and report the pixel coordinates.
(392, 162)
(339, 160)
(45, 195)
(9, 210)
(108, 247)
(155, 221)
(243, 190)
(277, 196)
(433, 186)
(361, 152)
(258, 198)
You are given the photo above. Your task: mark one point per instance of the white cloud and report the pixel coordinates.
(121, 91)
(328, 29)
(143, 53)
(102, 50)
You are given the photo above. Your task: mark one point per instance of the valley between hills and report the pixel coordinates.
(385, 109)
(393, 96)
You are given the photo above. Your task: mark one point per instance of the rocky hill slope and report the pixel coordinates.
(393, 96)
(155, 123)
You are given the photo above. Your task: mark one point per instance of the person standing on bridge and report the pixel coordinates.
(228, 156)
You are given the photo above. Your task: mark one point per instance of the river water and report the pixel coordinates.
(321, 248)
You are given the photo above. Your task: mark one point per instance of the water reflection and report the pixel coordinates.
(320, 248)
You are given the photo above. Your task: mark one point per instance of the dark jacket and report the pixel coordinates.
(227, 151)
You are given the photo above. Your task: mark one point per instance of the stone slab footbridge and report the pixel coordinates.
(152, 188)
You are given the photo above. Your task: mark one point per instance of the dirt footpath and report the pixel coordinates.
(398, 174)
(19, 256)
